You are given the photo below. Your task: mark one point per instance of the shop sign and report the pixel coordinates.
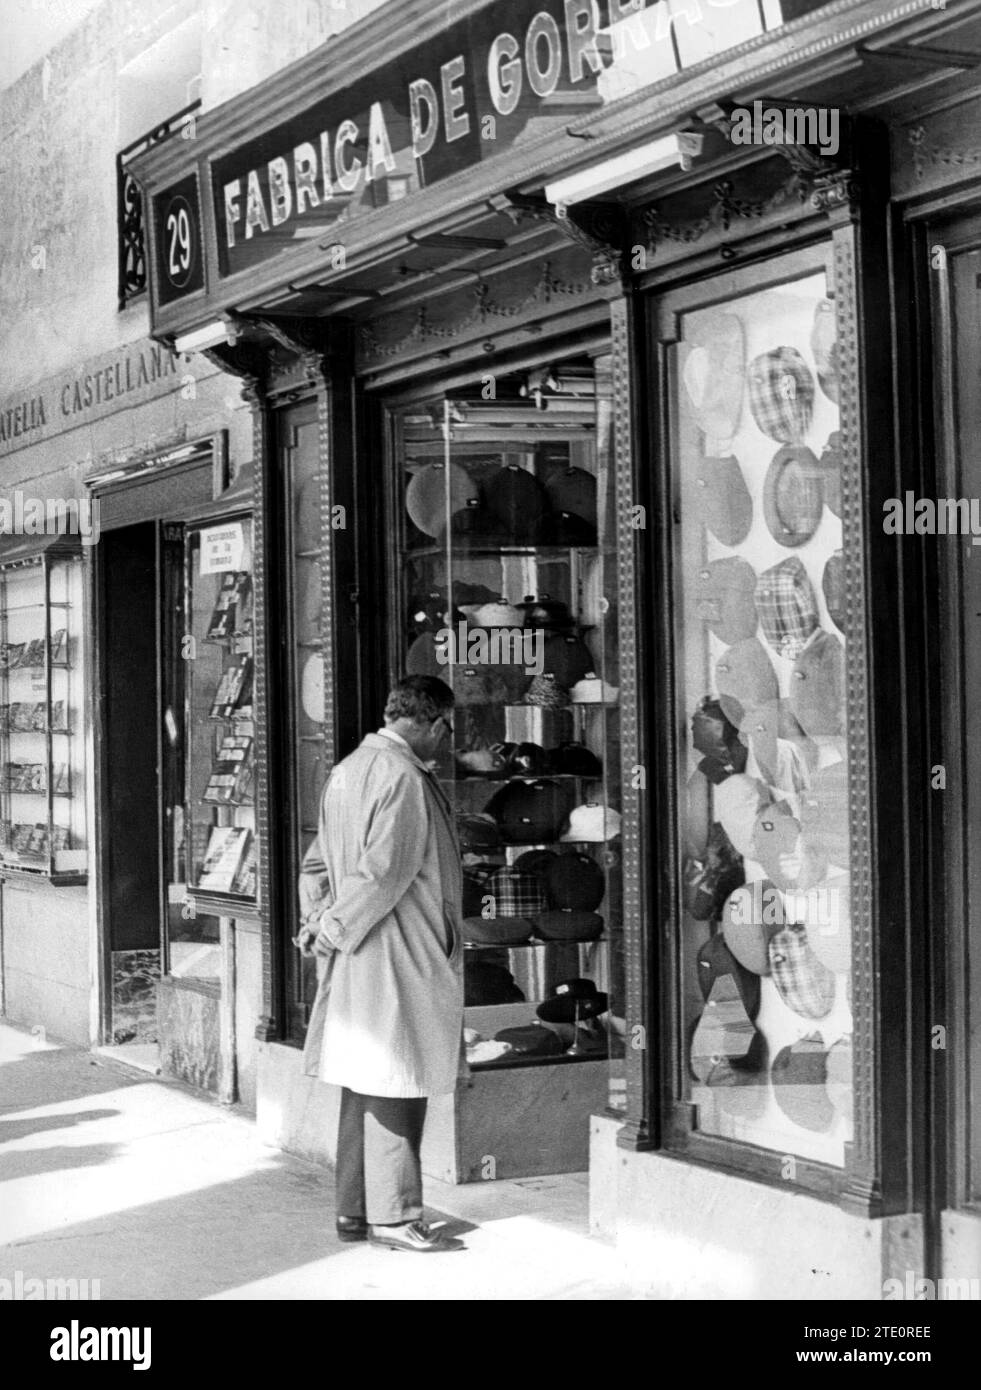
(516, 71)
(128, 376)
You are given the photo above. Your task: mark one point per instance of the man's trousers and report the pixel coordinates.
(378, 1171)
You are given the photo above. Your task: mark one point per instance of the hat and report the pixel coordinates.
(776, 836)
(477, 831)
(531, 1040)
(793, 495)
(475, 878)
(567, 658)
(546, 691)
(536, 861)
(750, 917)
(516, 892)
(497, 931)
(714, 734)
(481, 761)
(824, 347)
(422, 657)
(827, 914)
(840, 1085)
(787, 606)
(572, 1000)
(517, 501)
(817, 692)
(564, 528)
(725, 1035)
(782, 751)
(736, 803)
(716, 962)
(425, 496)
(593, 691)
(724, 592)
(573, 490)
(806, 985)
(574, 760)
(781, 394)
(530, 813)
(475, 524)
(724, 500)
(574, 880)
(831, 462)
(499, 613)
(799, 1074)
(824, 815)
(485, 983)
(833, 584)
(568, 924)
(487, 685)
(713, 375)
(592, 823)
(709, 881)
(745, 678)
(545, 612)
(522, 759)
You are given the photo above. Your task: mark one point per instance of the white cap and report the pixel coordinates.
(592, 823)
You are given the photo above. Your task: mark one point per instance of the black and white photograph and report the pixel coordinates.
(490, 664)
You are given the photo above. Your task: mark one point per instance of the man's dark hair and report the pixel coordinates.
(421, 698)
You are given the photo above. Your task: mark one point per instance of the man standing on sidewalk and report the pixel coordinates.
(380, 892)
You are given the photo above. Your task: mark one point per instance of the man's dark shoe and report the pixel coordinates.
(352, 1228)
(413, 1235)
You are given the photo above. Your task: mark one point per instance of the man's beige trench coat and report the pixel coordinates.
(383, 877)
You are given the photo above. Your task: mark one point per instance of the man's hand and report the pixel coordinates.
(322, 945)
(305, 940)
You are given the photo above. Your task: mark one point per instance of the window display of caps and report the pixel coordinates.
(713, 375)
(724, 500)
(530, 813)
(799, 1074)
(831, 462)
(426, 495)
(515, 892)
(806, 985)
(793, 495)
(486, 983)
(477, 831)
(787, 606)
(545, 612)
(546, 691)
(725, 599)
(817, 692)
(591, 690)
(518, 503)
(752, 915)
(567, 658)
(781, 395)
(824, 347)
(592, 823)
(833, 587)
(737, 802)
(499, 613)
(574, 881)
(824, 813)
(573, 1000)
(574, 760)
(568, 924)
(745, 678)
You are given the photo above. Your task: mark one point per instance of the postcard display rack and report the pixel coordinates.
(220, 808)
(42, 754)
(502, 596)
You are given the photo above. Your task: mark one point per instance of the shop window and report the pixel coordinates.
(505, 569)
(765, 941)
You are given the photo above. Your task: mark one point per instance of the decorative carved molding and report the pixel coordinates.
(600, 228)
(301, 337)
(726, 208)
(240, 359)
(928, 155)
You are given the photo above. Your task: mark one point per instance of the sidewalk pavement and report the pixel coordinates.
(159, 1193)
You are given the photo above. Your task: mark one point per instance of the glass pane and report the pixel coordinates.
(503, 508)
(761, 689)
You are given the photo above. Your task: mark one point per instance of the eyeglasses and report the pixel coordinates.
(446, 720)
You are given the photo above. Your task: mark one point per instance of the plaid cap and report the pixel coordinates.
(781, 394)
(793, 495)
(817, 691)
(799, 1074)
(831, 462)
(725, 1033)
(516, 892)
(713, 375)
(750, 917)
(574, 880)
(745, 678)
(787, 606)
(475, 878)
(425, 496)
(824, 346)
(806, 985)
(833, 586)
(724, 591)
(723, 499)
(824, 813)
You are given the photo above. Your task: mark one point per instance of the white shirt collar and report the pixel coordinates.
(386, 732)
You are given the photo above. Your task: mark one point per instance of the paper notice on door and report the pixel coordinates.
(222, 548)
